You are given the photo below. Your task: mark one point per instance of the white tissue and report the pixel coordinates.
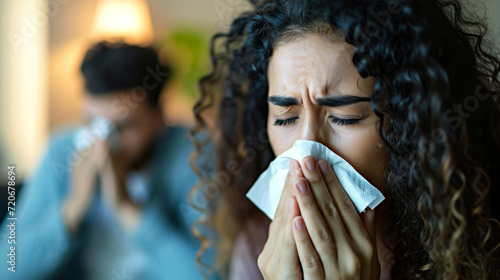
(266, 191)
(100, 128)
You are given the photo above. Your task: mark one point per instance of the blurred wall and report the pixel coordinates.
(23, 84)
(68, 41)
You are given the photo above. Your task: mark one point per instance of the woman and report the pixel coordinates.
(406, 91)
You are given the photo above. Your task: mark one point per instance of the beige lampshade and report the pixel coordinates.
(123, 20)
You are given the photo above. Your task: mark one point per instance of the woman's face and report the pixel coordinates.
(315, 93)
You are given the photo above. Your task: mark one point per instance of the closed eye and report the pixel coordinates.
(284, 122)
(333, 119)
(340, 121)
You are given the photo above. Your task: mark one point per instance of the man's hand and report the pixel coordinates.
(82, 184)
(114, 172)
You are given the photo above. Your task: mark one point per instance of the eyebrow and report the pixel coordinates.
(326, 101)
(283, 101)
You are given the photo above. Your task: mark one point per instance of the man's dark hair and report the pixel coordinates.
(108, 67)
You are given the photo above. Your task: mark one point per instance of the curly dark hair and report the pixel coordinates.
(437, 94)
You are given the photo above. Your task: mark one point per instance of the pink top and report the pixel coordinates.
(248, 246)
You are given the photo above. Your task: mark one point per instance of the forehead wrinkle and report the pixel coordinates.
(306, 73)
(328, 82)
(309, 77)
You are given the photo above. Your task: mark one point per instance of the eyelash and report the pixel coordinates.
(344, 121)
(285, 122)
(334, 120)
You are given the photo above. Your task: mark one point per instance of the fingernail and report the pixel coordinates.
(299, 224)
(323, 166)
(290, 203)
(310, 163)
(302, 186)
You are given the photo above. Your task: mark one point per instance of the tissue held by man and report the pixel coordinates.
(266, 191)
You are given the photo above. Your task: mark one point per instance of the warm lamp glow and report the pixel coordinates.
(126, 20)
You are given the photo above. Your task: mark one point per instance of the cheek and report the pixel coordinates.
(279, 140)
(361, 151)
(136, 137)
(129, 138)
(133, 139)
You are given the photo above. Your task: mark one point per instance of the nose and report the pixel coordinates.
(314, 128)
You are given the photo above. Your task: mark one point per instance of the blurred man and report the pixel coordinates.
(111, 208)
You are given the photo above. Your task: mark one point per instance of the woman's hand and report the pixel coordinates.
(279, 258)
(332, 241)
